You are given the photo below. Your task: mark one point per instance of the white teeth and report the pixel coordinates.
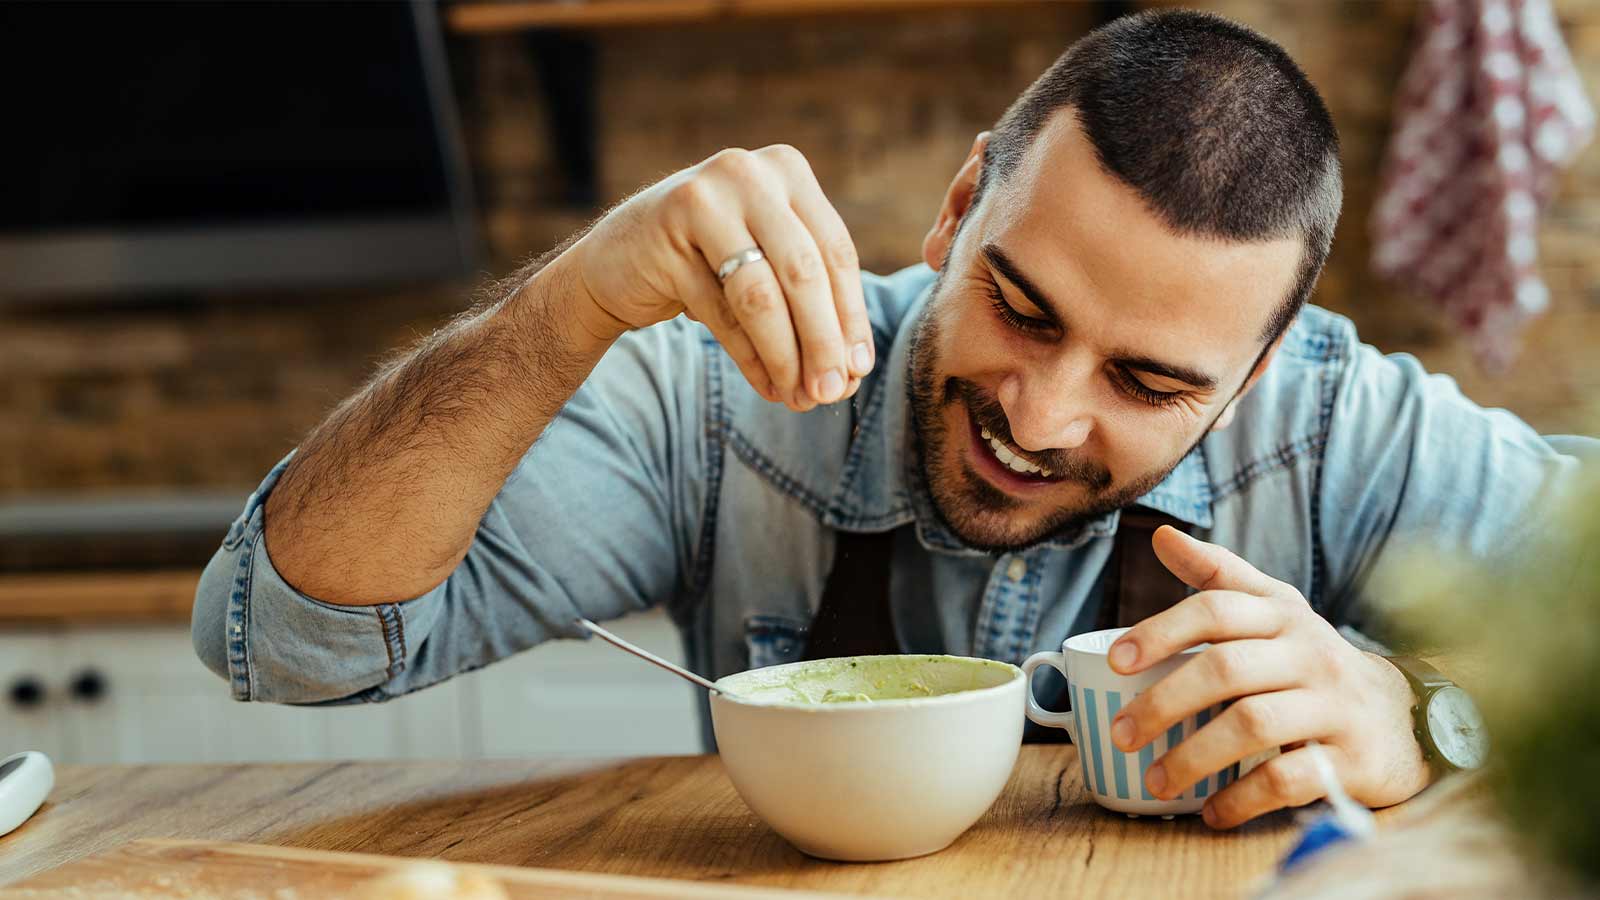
(1011, 460)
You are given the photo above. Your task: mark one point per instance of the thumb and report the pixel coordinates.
(1209, 567)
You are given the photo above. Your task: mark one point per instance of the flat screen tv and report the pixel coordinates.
(184, 147)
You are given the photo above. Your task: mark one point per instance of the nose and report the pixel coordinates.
(1048, 411)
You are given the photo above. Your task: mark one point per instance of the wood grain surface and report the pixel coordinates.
(668, 817)
(202, 870)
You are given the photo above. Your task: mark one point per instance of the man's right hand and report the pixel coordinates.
(420, 452)
(795, 322)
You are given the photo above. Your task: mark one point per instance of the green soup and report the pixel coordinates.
(865, 679)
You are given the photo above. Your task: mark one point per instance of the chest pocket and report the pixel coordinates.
(773, 640)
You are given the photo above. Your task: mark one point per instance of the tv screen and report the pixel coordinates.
(181, 146)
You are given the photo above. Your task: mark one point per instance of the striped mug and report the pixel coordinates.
(1097, 693)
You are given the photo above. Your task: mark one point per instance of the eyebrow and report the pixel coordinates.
(1192, 377)
(997, 260)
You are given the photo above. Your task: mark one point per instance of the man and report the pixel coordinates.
(1110, 314)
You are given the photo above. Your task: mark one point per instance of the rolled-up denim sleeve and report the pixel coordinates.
(1411, 464)
(600, 518)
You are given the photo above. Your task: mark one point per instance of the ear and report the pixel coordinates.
(1229, 411)
(957, 201)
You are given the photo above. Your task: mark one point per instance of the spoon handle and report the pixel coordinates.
(647, 656)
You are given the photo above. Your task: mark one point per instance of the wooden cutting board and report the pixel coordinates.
(202, 870)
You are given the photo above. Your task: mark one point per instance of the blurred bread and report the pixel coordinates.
(432, 881)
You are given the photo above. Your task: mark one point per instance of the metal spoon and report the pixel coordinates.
(647, 656)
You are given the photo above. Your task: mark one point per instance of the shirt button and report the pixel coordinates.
(1017, 569)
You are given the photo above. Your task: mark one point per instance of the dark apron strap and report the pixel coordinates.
(854, 618)
(1138, 580)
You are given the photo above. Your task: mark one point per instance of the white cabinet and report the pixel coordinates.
(157, 703)
(29, 681)
(151, 705)
(161, 705)
(588, 698)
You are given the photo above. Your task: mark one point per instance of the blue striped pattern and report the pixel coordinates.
(1147, 755)
(1094, 741)
(1204, 787)
(1128, 769)
(1119, 759)
(1077, 721)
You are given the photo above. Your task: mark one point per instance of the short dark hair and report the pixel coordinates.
(1213, 124)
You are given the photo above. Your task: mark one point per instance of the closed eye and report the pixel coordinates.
(1009, 315)
(1138, 390)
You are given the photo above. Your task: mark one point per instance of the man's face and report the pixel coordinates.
(1075, 349)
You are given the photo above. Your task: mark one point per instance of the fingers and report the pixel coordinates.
(801, 307)
(1256, 723)
(1281, 782)
(839, 257)
(1206, 567)
(1223, 672)
(705, 302)
(756, 302)
(1214, 616)
(793, 255)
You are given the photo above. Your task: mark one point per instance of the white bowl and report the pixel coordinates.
(902, 775)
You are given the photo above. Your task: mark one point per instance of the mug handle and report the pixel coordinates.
(1037, 713)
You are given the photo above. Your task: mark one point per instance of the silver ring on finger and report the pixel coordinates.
(738, 260)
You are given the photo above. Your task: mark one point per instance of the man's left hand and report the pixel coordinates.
(1292, 678)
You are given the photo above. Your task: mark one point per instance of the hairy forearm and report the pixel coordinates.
(382, 500)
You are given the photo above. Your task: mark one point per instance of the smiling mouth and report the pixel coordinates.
(1006, 464)
(1012, 458)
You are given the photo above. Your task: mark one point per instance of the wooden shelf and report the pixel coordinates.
(485, 17)
(164, 595)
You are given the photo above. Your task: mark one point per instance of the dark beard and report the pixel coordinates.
(963, 500)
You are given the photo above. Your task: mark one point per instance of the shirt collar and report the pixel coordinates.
(882, 485)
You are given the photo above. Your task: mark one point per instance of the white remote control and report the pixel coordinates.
(25, 780)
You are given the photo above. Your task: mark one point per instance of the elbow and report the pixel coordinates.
(208, 624)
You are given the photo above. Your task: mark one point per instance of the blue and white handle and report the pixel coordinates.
(1038, 714)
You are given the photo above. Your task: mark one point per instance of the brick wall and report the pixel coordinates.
(1354, 52)
(211, 392)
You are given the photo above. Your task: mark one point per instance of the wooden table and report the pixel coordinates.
(674, 817)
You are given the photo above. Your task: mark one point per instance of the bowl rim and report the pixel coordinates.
(893, 703)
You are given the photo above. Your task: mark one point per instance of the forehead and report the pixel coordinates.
(1118, 272)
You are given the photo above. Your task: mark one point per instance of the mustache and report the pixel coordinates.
(986, 411)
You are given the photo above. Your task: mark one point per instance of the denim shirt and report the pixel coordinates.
(668, 481)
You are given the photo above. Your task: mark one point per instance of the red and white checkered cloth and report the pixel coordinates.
(1490, 108)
